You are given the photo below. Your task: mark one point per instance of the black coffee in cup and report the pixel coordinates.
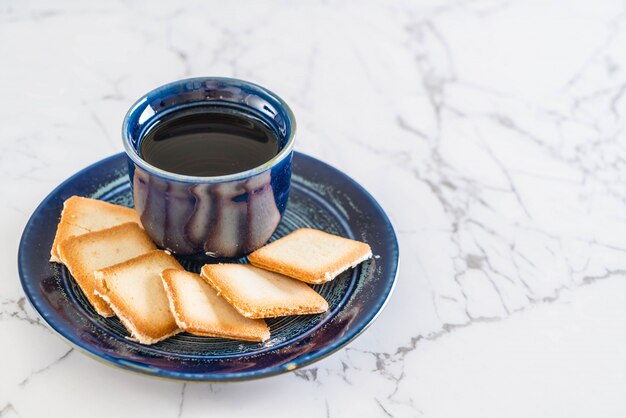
(208, 141)
(210, 162)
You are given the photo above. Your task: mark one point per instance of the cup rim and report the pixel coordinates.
(132, 153)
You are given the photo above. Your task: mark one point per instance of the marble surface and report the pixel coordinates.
(492, 132)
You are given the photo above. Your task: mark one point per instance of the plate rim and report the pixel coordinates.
(300, 361)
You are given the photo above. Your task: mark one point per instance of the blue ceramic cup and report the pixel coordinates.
(220, 216)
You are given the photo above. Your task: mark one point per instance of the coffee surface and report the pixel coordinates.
(208, 142)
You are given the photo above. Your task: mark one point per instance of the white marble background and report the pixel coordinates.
(491, 131)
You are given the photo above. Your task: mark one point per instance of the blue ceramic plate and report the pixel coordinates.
(321, 197)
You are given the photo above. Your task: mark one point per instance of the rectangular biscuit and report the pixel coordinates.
(310, 255)
(81, 215)
(258, 293)
(200, 311)
(85, 253)
(134, 291)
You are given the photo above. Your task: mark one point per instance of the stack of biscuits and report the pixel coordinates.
(123, 274)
